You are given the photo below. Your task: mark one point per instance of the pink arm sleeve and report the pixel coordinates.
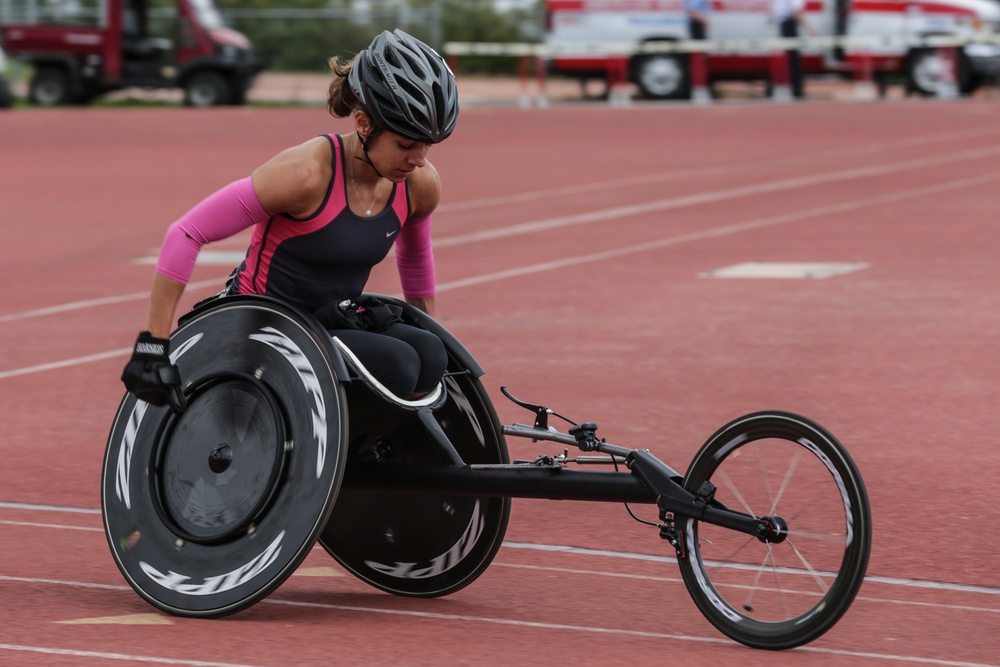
(415, 259)
(222, 214)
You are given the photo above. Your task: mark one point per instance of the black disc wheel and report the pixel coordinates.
(208, 511)
(219, 469)
(789, 587)
(420, 544)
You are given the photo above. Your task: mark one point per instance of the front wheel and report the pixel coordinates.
(788, 588)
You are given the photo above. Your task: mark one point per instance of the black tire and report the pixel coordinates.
(412, 543)
(209, 511)
(6, 96)
(51, 86)
(662, 76)
(207, 89)
(968, 80)
(923, 70)
(786, 591)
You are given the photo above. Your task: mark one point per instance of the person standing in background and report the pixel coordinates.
(790, 17)
(698, 12)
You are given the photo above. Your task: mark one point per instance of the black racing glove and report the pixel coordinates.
(150, 375)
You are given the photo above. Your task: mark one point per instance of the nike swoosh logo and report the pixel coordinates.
(388, 234)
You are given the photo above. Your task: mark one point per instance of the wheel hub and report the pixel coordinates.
(220, 464)
(777, 530)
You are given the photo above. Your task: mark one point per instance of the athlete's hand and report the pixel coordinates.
(150, 375)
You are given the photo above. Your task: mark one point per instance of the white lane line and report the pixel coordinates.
(547, 626)
(534, 625)
(35, 524)
(520, 624)
(717, 232)
(662, 177)
(677, 580)
(61, 582)
(582, 551)
(49, 508)
(590, 629)
(65, 363)
(101, 655)
(562, 221)
(713, 197)
(78, 305)
(891, 581)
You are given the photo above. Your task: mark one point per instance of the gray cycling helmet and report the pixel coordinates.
(406, 87)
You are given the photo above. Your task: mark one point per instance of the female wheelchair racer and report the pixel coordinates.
(323, 214)
(286, 439)
(258, 428)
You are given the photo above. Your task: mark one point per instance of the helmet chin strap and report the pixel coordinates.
(364, 149)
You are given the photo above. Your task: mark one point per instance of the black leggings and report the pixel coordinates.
(403, 358)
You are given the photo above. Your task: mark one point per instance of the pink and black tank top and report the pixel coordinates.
(309, 262)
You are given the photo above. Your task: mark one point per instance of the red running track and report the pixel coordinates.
(575, 247)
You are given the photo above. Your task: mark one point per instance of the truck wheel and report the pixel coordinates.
(207, 89)
(6, 96)
(968, 81)
(661, 76)
(923, 70)
(50, 86)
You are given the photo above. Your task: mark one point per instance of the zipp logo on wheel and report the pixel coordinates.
(124, 467)
(293, 354)
(442, 563)
(219, 583)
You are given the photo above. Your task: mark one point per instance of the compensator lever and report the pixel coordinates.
(541, 412)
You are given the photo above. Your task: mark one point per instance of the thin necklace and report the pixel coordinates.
(368, 211)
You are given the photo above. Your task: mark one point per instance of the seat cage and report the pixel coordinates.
(432, 400)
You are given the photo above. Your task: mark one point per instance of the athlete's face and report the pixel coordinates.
(395, 156)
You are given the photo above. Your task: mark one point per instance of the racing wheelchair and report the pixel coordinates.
(287, 440)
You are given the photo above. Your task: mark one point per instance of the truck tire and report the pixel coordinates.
(51, 86)
(207, 89)
(6, 96)
(923, 69)
(661, 76)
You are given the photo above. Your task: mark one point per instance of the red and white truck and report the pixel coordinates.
(80, 49)
(891, 35)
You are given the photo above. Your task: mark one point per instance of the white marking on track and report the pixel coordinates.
(705, 197)
(715, 196)
(551, 548)
(103, 655)
(104, 301)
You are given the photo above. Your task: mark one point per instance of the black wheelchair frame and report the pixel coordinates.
(284, 442)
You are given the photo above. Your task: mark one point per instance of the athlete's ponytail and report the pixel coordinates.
(341, 100)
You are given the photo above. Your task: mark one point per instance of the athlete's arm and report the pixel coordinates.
(294, 182)
(414, 253)
(222, 214)
(291, 182)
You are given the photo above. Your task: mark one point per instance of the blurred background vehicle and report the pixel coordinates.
(80, 49)
(886, 33)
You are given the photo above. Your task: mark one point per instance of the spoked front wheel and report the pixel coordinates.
(788, 588)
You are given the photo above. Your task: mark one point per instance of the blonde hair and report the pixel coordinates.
(340, 99)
